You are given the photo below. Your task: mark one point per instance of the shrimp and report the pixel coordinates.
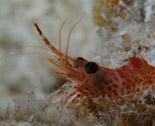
(89, 79)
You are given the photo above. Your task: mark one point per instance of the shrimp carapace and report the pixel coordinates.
(88, 79)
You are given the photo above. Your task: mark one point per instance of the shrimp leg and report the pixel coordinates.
(60, 89)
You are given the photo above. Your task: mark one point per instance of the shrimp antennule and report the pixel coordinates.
(47, 42)
(60, 34)
(69, 37)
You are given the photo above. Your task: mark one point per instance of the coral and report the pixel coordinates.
(125, 29)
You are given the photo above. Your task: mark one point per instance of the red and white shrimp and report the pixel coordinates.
(88, 79)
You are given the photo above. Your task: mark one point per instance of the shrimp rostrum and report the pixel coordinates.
(88, 79)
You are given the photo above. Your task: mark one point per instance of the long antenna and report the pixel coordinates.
(23, 53)
(60, 34)
(70, 35)
(20, 47)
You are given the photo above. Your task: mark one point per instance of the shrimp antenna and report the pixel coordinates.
(60, 34)
(70, 35)
(47, 42)
(23, 53)
(20, 47)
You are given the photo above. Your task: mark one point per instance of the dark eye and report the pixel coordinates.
(91, 67)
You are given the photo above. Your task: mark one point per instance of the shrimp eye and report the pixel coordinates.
(91, 67)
